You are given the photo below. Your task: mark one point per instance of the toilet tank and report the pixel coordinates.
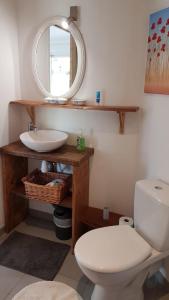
(151, 212)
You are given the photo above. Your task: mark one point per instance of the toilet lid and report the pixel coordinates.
(111, 249)
(47, 290)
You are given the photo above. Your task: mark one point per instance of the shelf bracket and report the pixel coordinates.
(121, 120)
(31, 112)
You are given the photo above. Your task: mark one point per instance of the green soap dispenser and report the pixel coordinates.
(80, 145)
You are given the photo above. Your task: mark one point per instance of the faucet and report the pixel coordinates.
(32, 127)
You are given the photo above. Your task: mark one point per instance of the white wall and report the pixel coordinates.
(154, 135)
(114, 33)
(9, 82)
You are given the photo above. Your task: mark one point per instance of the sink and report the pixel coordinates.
(43, 140)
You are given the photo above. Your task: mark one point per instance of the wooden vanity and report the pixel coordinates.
(15, 166)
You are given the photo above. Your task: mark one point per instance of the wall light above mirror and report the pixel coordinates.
(58, 58)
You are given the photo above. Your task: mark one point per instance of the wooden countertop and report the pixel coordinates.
(67, 154)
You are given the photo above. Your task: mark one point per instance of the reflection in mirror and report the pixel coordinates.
(56, 60)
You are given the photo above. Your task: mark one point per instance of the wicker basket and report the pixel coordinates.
(36, 188)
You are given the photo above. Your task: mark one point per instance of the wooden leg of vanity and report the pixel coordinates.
(15, 207)
(80, 199)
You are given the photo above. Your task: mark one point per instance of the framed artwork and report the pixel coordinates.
(157, 67)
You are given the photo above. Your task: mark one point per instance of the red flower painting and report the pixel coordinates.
(157, 68)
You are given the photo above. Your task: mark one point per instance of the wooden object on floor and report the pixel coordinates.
(15, 166)
(93, 218)
(30, 105)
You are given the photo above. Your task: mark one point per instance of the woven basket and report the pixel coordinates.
(36, 188)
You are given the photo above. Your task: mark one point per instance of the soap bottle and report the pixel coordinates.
(80, 145)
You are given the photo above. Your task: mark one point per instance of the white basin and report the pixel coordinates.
(43, 140)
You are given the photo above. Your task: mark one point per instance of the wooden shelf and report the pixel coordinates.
(19, 190)
(93, 218)
(30, 106)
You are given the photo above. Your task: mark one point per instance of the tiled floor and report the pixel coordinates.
(12, 281)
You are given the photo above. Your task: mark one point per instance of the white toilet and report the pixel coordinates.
(118, 259)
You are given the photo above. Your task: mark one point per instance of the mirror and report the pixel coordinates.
(58, 58)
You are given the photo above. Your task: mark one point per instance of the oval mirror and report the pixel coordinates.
(58, 58)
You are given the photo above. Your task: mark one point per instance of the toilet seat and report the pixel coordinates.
(47, 290)
(111, 249)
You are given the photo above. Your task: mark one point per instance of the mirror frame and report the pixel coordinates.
(81, 56)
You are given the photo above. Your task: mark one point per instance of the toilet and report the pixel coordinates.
(118, 259)
(47, 290)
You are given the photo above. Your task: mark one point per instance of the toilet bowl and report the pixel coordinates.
(47, 290)
(118, 259)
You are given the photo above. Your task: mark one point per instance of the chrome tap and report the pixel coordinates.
(32, 127)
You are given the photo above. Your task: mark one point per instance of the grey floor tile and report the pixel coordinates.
(70, 268)
(8, 280)
(85, 288)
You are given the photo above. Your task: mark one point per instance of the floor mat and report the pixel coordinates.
(32, 255)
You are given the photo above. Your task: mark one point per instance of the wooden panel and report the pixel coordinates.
(93, 217)
(13, 169)
(66, 154)
(80, 197)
